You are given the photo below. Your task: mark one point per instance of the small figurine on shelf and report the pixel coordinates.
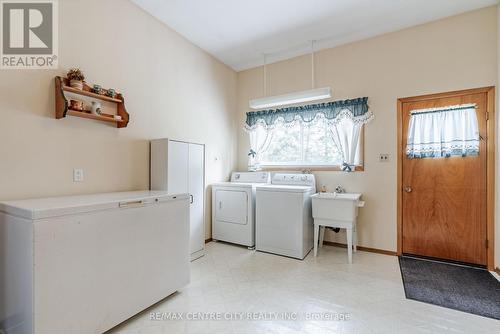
(76, 105)
(111, 93)
(76, 77)
(97, 89)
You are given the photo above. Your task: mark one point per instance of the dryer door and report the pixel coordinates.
(231, 206)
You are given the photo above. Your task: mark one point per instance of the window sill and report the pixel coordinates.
(272, 168)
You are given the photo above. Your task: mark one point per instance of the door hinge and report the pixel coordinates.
(487, 243)
(487, 115)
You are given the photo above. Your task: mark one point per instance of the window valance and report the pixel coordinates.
(355, 109)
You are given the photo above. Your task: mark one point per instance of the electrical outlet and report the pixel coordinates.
(383, 157)
(77, 175)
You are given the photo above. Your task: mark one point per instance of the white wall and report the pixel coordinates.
(171, 87)
(451, 54)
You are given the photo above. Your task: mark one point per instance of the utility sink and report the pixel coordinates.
(336, 206)
(337, 210)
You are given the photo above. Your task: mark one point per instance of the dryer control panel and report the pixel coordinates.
(251, 177)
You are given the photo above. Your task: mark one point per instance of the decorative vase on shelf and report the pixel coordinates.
(111, 93)
(76, 78)
(96, 108)
(77, 84)
(97, 89)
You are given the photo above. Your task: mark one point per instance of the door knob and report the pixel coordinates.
(408, 189)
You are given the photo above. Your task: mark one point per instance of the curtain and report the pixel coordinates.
(345, 135)
(356, 109)
(260, 138)
(443, 132)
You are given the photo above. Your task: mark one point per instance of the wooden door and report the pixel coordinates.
(444, 199)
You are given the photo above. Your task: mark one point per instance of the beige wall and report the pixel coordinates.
(172, 89)
(451, 54)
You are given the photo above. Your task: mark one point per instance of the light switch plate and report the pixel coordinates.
(383, 157)
(77, 175)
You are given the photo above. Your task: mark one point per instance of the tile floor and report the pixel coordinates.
(233, 279)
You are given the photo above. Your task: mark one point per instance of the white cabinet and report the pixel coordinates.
(179, 167)
(84, 264)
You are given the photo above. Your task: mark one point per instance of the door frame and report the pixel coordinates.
(490, 164)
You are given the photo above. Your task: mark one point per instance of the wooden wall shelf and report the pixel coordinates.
(90, 94)
(87, 114)
(63, 109)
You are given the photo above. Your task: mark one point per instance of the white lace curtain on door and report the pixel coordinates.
(443, 132)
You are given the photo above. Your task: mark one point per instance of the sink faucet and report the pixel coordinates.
(340, 189)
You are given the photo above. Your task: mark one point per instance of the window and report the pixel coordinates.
(302, 145)
(325, 134)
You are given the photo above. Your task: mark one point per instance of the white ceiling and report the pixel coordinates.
(240, 32)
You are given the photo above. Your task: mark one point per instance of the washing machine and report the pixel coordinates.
(284, 222)
(233, 207)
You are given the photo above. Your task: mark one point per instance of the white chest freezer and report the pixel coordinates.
(84, 264)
